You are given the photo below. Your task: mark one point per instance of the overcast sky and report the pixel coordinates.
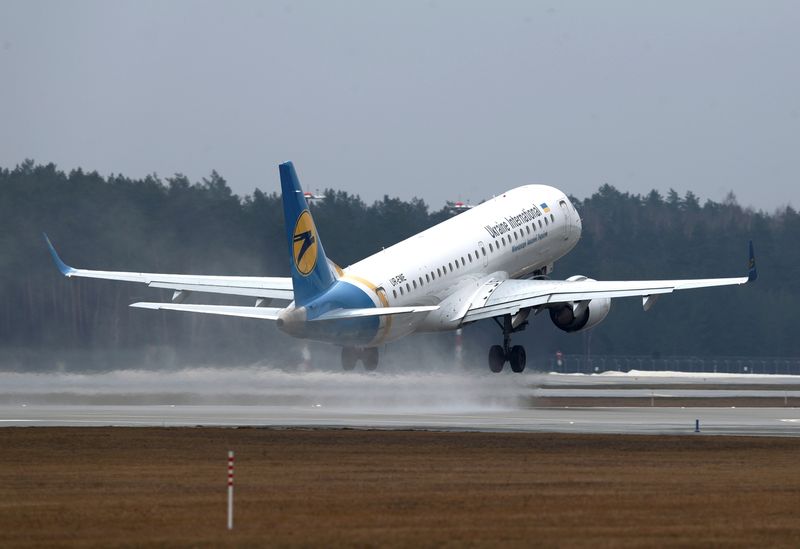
(437, 99)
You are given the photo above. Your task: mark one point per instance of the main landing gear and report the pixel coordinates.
(368, 357)
(498, 355)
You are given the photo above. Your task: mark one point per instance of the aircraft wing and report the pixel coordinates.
(507, 297)
(251, 286)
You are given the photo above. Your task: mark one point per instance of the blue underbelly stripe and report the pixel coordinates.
(351, 331)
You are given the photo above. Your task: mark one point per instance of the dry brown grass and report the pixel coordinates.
(135, 486)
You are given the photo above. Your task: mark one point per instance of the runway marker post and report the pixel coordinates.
(230, 489)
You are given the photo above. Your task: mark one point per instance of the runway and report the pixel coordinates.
(446, 401)
(627, 420)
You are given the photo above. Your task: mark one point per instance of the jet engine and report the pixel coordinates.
(580, 315)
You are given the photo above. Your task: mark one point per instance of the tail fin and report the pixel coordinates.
(311, 273)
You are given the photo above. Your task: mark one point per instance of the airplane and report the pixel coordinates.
(490, 262)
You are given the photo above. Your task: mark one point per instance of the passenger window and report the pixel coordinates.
(420, 282)
(427, 278)
(438, 271)
(546, 222)
(490, 248)
(414, 282)
(394, 293)
(552, 218)
(401, 290)
(528, 228)
(463, 263)
(540, 223)
(408, 287)
(503, 240)
(469, 256)
(484, 250)
(451, 267)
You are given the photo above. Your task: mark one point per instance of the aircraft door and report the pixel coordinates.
(484, 253)
(567, 218)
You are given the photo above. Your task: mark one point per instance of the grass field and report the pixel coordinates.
(149, 486)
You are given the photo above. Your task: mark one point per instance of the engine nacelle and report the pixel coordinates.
(575, 317)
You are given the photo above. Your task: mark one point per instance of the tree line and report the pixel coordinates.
(176, 225)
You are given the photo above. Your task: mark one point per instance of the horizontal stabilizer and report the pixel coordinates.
(271, 313)
(339, 314)
(264, 313)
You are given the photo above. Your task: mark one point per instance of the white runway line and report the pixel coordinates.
(672, 393)
(754, 421)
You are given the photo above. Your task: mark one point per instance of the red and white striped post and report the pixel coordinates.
(230, 490)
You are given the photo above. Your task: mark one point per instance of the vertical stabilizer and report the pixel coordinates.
(311, 274)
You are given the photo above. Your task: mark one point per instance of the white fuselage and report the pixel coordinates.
(513, 235)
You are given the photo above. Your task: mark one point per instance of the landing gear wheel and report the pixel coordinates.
(515, 355)
(349, 358)
(497, 358)
(517, 358)
(369, 357)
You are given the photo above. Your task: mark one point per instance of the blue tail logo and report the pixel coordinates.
(304, 244)
(311, 273)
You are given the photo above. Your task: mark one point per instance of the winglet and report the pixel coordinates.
(752, 272)
(65, 269)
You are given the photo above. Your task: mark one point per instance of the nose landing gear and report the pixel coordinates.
(498, 355)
